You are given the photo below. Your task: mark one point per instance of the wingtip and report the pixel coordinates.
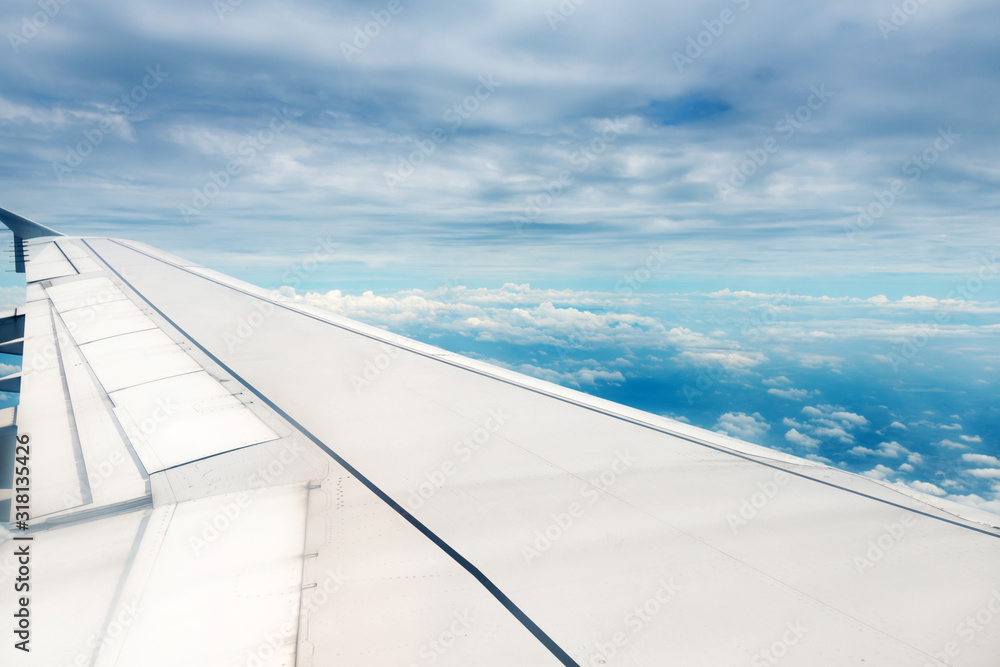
(24, 228)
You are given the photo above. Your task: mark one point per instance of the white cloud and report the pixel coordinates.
(793, 436)
(790, 393)
(981, 459)
(970, 438)
(898, 425)
(906, 467)
(578, 378)
(973, 500)
(838, 433)
(730, 361)
(742, 425)
(850, 417)
(915, 458)
(880, 472)
(892, 449)
(953, 444)
(810, 360)
(927, 487)
(950, 427)
(985, 473)
(886, 449)
(828, 421)
(780, 381)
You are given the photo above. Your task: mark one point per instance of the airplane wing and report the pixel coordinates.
(201, 473)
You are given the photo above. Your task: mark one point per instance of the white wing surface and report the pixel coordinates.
(218, 477)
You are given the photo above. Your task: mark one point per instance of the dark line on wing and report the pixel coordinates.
(66, 257)
(564, 399)
(523, 618)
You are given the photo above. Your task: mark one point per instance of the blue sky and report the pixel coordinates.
(775, 197)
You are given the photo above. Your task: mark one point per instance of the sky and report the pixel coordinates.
(775, 220)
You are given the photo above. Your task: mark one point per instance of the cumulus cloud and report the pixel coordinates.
(952, 444)
(926, 487)
(835, 423)
(985, 473)
(838, 433)
(850, 418)
(790, 393)
(886, 449)
(880, 472)
(741, 425)
(981, 459)
(801, 439)
(970, 438)
(584, 377)
(977, 501)
(730, 361)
